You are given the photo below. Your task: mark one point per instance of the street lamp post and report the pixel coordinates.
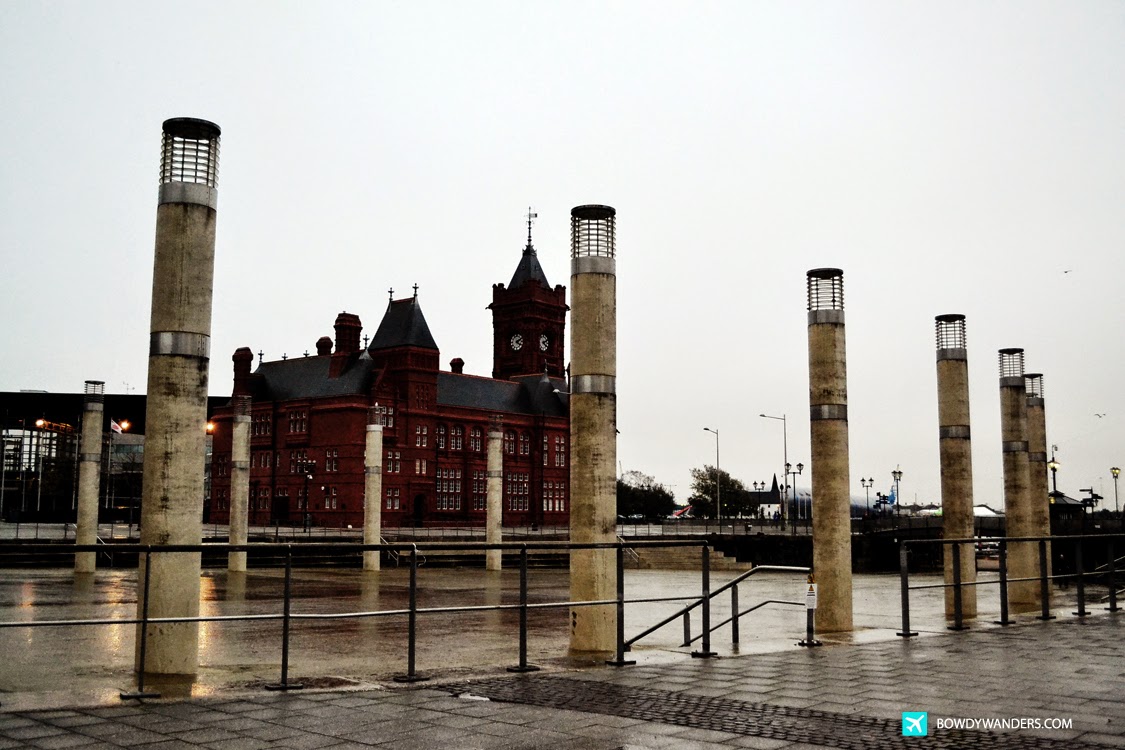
(308, 467)
(1115, 471)
(897, 475)
(785, 461)
(788, 473)
(718, 478)
(867, 484)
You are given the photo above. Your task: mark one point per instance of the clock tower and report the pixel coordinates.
(528, 321)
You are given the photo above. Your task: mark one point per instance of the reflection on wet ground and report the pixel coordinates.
(71, 665)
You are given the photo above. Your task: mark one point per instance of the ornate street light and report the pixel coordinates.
(718, 478)
(1115, 471)
(897, 475)
(867, 484)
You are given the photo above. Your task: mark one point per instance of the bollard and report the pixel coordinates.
(1112, 581)
(810, 616)
(285, 684)
(1081, 579)
(412, 622)
(1044, 583)
(523, 665)
(904, 574)
(140, 691)
(1003, 584)
(687, 629)
(958, 623)
(620, 661)
(706, 652)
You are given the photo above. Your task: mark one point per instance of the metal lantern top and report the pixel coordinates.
(1033, 382)
(593, 231)
(950, 331)
(190, 152)
(1011, 363)
(826, 289)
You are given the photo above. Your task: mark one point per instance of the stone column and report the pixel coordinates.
(373, 488)
(176, 415)
(828, 412)
(1023, 557)
(89, 474)
(955, 447)
(593, 427)
(1039, 487)
(239, 480)
(494, 510)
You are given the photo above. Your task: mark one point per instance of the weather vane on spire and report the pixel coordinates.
(531, 215)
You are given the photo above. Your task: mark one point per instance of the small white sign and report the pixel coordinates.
(810, 596)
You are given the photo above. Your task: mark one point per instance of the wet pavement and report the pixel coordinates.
(59, 685)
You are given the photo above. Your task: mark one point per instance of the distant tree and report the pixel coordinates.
(639, 494)
(737, 501)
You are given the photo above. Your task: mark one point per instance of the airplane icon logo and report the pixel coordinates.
(914, 723)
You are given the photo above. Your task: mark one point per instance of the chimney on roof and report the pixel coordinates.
(348, 329)
(323, 346)
(242, 359)
(457, 365)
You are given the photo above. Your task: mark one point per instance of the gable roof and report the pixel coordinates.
(403, 324)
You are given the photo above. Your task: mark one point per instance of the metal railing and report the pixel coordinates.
(1108, 571)
(412, 612)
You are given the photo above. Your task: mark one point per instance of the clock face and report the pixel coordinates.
(517, 342)
(543, 342)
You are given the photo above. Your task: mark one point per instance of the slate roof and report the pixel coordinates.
(529, 270)
(403, 325)
(532, 395)
(307, 377)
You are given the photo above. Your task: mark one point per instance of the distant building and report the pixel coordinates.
(309, 417)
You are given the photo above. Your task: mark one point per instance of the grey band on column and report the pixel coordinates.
(1040, 458)
(828, 411)
(1015, 446)
(189, 192)
(1035, 401)
(180, 343)
(93, 406)
(240, 464)
(241, 418)
(95, 458)
(593, 384)
(372, 469)
(495, 474)
(1012, 381)
(826, 316)
(954, 431)
(374, 428)
(593, 264)
(957, 354)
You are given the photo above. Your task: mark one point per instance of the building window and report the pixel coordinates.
(510, 443)
(554, 497)
(330, 499)
(386, 415)
(420, 467)
(439, 436)
(560, 450)
(457, 438)
(525, 444)
(421, 436)
(480, 490)
(394, 463)
(331, 459)
(299, 461)
(448, 489)
(260, 425)
(516, 487)
(546, 447)
(298, 421)
(475, 436)
(394, 499)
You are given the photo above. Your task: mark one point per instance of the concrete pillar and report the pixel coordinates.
(494, 510)
(89, 473)
(955, 447)
(828, 412)
(239, 481)
(373, 488)
(593, 427)
(176, 416)
(1039, 488)
(1023, 558)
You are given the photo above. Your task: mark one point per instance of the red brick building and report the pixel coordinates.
(309, 417)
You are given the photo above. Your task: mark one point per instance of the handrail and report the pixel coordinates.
(632, 553)
(725, 587)
(390, 553)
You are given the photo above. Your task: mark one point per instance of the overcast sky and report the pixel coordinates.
(949, 157)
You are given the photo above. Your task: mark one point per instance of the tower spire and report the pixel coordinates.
(531, 215)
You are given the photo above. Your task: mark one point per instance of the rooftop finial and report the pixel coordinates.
(415, 291)
(531, 216)
(261, 356)
(365, 339)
